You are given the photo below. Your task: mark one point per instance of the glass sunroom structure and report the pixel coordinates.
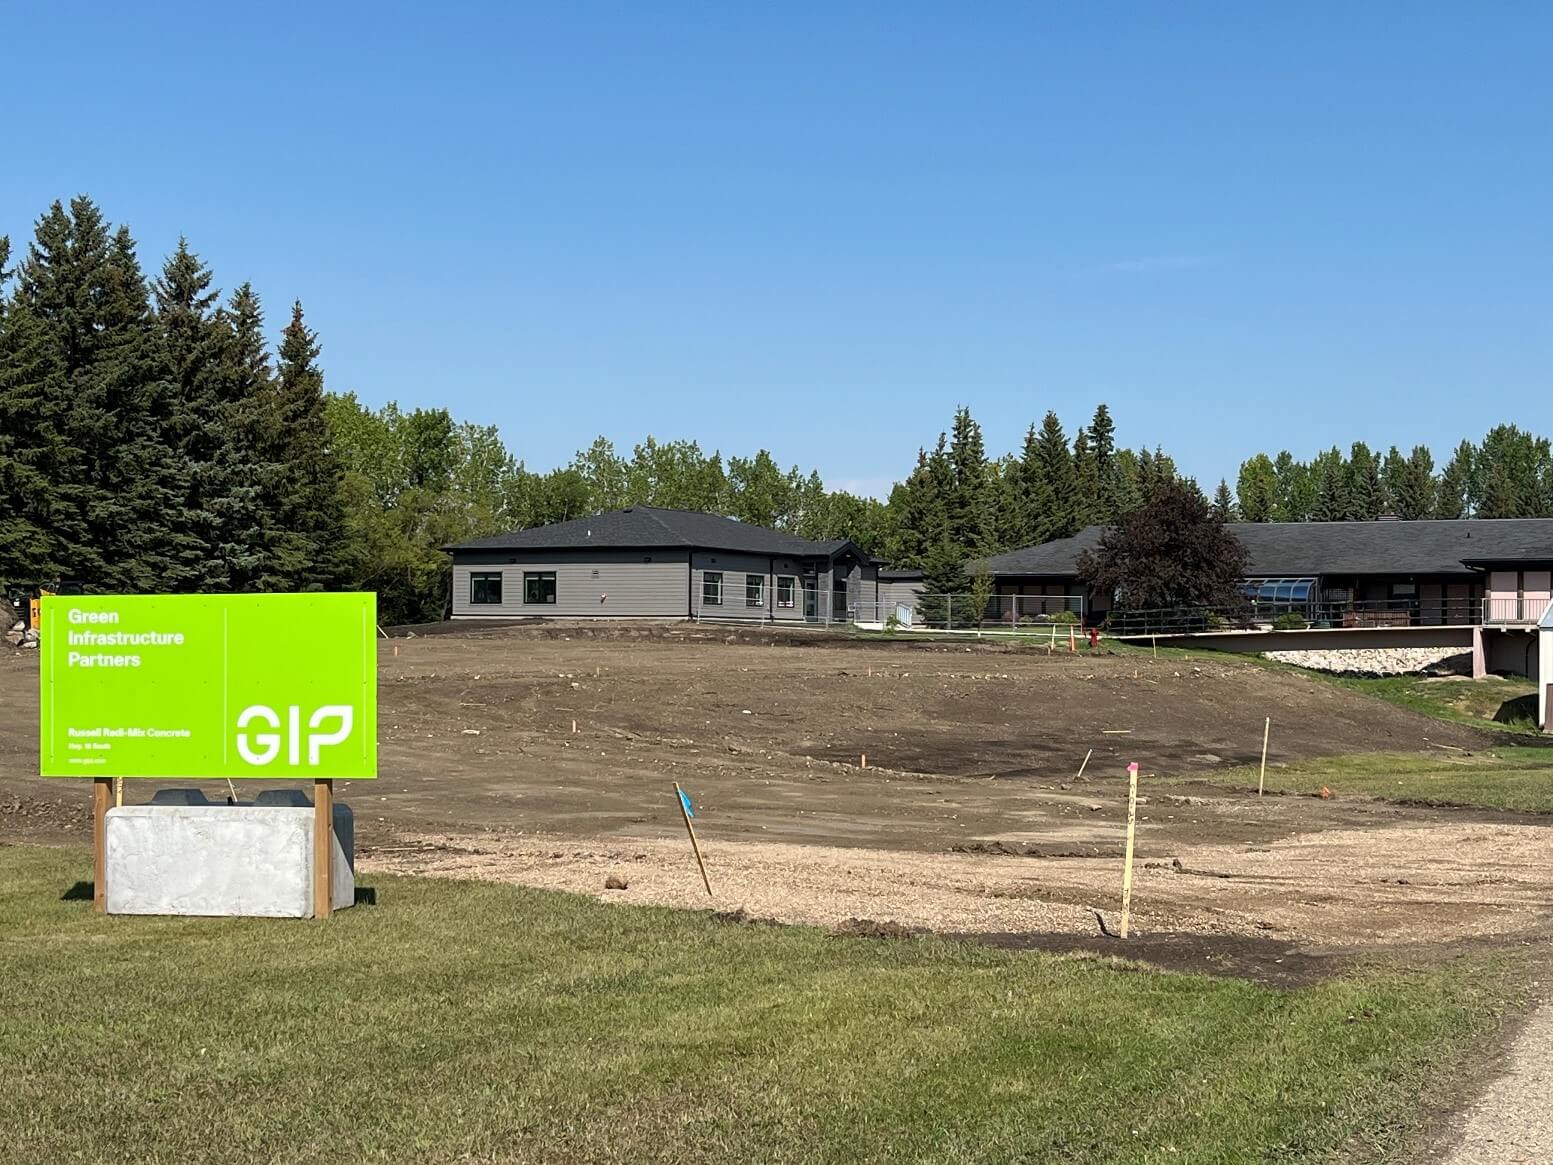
(1283, 591)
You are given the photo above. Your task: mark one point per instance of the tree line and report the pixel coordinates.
(152, 440)
(1509, 474)
(148, 440)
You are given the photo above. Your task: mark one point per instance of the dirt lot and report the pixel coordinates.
(969, 816)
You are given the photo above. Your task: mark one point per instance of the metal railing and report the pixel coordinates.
(1525, 610)
(1298, 616)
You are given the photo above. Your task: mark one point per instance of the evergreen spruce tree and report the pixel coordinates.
(1114, 496)
(1257, 489)
(1224, 503)
(79, 384)
(1455, 497)
(1010, 518)
(51, 378)
(913, 503)
(940, 472)
(1295, 494)
(1128, 494)
(143, 469)
(1090, 507)
(945, 586)
(1520, 461)
(1055, 466)
(248, 532)
(304, 492)
(191, 341)
(1501, 499)
(30, 441)
(1032, 489)
(970, 498)
(1366, 495)
(1329, 473)
(1409, 482)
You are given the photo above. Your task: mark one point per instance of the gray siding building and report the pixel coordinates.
(649, 563)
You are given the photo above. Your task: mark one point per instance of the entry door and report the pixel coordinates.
(811, 598)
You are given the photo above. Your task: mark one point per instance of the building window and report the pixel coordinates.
(539, 586)
(786, 586)
(712, 588)
(485, 588)
(754, 590)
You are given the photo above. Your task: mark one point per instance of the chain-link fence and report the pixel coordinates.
(1314, 615)
(965, 612)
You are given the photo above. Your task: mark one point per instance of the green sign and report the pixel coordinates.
(199, 686)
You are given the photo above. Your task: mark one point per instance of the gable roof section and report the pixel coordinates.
(642, 527)
(1057, 559)
(1452, 546)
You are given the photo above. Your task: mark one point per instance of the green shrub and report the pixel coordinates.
(1290, 621)
(1062, 617)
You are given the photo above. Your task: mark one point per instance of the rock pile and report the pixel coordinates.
(1381, 661)
(22, 636)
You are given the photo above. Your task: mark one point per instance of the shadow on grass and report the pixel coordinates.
(1521, 712)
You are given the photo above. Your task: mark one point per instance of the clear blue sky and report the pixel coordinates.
(820, 227)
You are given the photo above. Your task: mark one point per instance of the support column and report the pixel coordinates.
(323, 849)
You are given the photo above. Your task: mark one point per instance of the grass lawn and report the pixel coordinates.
(469, 1022)
(1519, 779)
(1509, 705)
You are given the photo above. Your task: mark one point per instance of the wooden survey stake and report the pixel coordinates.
(1132, 826)
(323, 849)
(102, 797)
(1262, 780)
(679, 796)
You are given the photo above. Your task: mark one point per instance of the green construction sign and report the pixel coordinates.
(209, 686)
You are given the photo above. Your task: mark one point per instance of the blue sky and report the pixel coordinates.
(819, 227)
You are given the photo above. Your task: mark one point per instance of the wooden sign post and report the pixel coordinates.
(323, 849)
(102, 797)
(1132, 825)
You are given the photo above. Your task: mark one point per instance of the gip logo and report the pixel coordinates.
(269, 743)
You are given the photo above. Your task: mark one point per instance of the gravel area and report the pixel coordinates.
(1511, 1122)
(1383, 887)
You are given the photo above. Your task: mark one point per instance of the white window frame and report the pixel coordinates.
(791, 582)
(754, 590)
(711, 585)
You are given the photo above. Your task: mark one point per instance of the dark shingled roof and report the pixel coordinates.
(1293, 549)
(648, 526)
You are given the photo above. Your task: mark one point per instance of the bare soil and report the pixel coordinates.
(969, 817)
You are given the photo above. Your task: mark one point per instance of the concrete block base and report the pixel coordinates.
(252, 860)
